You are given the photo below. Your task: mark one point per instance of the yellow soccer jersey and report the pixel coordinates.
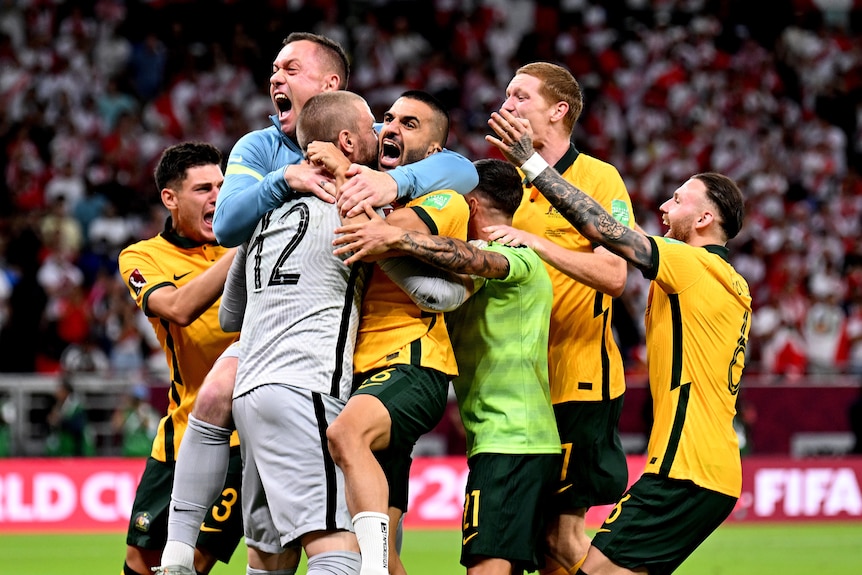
(392, 329)
(584, 361)
(697, 321)
(164, 260)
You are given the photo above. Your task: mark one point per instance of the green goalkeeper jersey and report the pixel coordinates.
(500, 338)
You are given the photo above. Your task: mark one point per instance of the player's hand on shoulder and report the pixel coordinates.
(366, 241)
(306, 177)
(510, 236)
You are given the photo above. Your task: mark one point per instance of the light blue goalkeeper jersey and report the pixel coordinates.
(254, 180)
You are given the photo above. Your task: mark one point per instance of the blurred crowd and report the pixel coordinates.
(92, 91)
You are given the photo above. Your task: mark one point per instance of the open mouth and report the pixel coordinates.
(208, 218)
(283, 104)
(390, 154)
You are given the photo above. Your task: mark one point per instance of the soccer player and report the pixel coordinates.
(584, 362)
(264, 169)
(295, 368)
(500, 338)
(403, 360)
(697, 324)
(176, 278)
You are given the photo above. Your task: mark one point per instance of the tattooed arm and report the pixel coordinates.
(377, 237)
(591, 219)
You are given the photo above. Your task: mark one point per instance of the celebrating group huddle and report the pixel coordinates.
(367, 267)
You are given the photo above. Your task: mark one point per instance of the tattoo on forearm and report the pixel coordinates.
(592, 220)
(455, 255)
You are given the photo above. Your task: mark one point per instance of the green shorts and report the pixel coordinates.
(503, 508)
(416, 399)
(595, 471)
(221, 531)
(659, 522)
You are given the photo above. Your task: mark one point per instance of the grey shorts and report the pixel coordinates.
(290, 485)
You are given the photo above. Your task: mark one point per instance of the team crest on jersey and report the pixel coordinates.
(438, 201)
(620, 212)
(142, 521)
(137, 281)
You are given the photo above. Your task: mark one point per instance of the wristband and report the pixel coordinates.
(534, 166)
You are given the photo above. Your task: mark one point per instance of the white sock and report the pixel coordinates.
(372, 531)
(178, 553)
(199, 477)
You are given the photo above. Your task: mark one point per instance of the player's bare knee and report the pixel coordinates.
(337, 435)
(214, 401)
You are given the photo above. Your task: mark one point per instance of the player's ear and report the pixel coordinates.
(331, 83)
(472, 203)
(433, 149)
(345, 142)
(560, 110)
(704, 220)
(169, 198)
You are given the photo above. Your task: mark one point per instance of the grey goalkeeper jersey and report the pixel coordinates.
(302, 303)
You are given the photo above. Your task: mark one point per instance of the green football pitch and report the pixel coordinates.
(799, 549)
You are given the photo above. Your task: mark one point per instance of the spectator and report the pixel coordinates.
(59, 227)
(7, 417)
(136, 421)
(147, 64)
(70, 433)
(84, 356)
(65, 183)
(822, 331)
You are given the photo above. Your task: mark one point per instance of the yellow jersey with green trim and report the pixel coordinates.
(392, 329)
(584, 361)
(171, 260)
(697, 321)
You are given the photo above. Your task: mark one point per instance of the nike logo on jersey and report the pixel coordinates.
(210, 529)
(564, 488)
(603, 530)
(468, 538)
(179, 277)
(235, 159)
(181, 510)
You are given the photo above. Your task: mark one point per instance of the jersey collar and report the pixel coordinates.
(721, 251)
(561, 166)
(173, 237)
(284, 138)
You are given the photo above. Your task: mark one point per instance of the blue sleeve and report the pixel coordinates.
(253, 186)
(445, 170)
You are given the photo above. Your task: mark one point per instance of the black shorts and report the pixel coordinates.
(595, 471)
(659, 522)
(504, 505)
(416, 398)
(221, 531)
